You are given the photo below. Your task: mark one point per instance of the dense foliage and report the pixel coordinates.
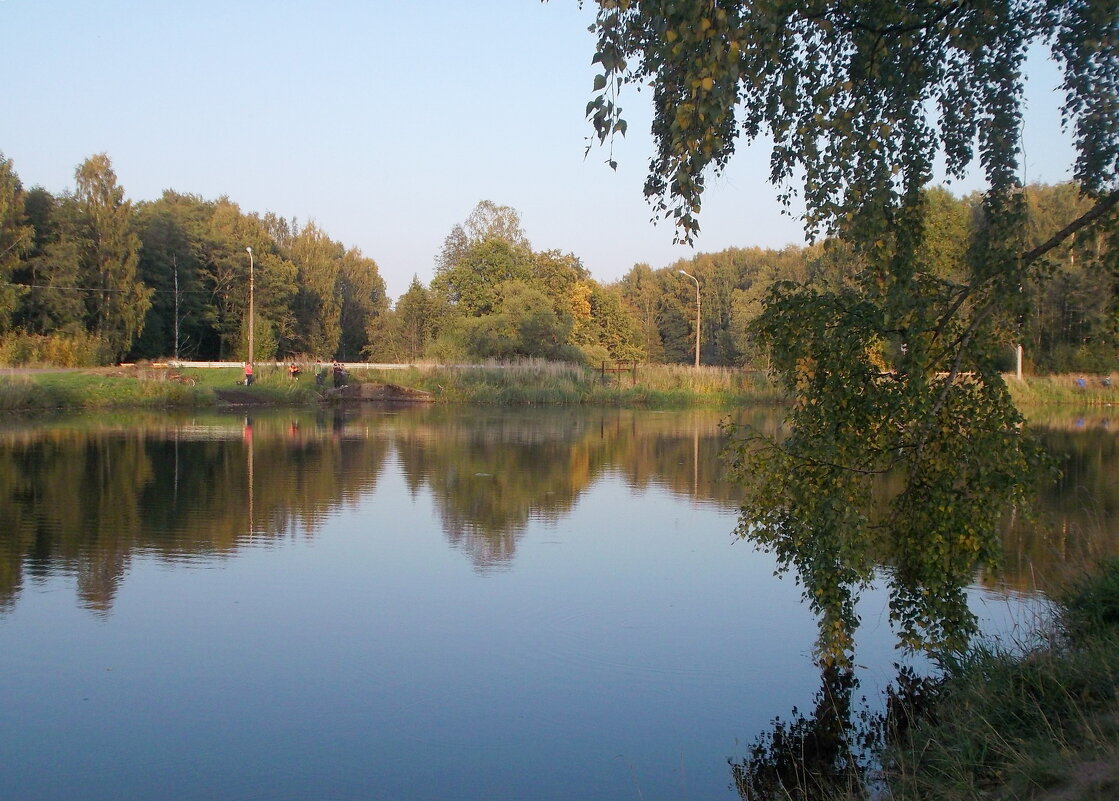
(89, 277)
(494, 297)
(1068, 313)
(894, 367)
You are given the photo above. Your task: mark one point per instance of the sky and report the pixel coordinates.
(384, 122)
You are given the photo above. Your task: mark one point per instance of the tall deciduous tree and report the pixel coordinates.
(118, 305)
(488, 248)
(319, 302)
(892, 371)
(416, 320)
(171, 263)
(471, 285)
(15, 238)
(226, 274)
(489, 220)
(364, 303)
(52, 268)
(642, 291)
(120, 301)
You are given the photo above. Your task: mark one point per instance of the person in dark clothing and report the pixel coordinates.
(339, 375)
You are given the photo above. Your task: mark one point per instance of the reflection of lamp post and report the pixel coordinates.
(697, 317)
(251, 322)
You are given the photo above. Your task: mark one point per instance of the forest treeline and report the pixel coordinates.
(88, 277)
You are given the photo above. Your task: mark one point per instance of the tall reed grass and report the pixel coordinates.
(96, 390)
(543, 382)
(1073, 389)
(1033, 719)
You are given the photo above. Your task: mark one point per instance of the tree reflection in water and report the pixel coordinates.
(821, 755)
(829, 753)
(82, 496)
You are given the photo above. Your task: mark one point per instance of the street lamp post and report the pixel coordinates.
(697, 317)
(252, 322)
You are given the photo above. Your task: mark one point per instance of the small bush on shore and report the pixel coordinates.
(54, 350)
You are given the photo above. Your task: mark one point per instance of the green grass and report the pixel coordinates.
(145, 388)
(549, 383)
(1034, 391)
(270, 384)
(93, 390)
(523, 383)
(1037, 720)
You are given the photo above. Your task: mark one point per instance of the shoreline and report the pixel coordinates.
(165, 386)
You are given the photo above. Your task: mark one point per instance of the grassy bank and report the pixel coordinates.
(540, 382)
(659, 386)
(129, 388)
(1034, 719)
(527, 383)
(1065, 390)
(1037, 721)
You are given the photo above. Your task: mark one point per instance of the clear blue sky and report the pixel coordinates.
(385, 122)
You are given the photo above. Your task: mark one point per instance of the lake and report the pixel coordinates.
(427, 603)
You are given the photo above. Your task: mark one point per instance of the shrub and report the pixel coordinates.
(54, 350)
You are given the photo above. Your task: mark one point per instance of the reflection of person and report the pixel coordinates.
(248, 374)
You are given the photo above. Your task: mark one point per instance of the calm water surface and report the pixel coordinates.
(421, 604)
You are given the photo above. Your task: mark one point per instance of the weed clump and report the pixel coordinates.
(1028, 721)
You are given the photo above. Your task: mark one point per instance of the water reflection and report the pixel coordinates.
(821, 755)
(83, 495)
(829, 752)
